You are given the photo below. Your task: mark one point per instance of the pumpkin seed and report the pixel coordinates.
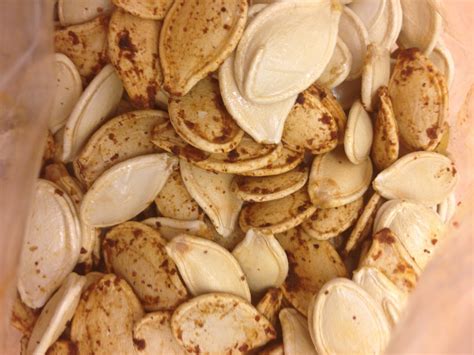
(296, 338)
(338, 67)
(262, 260)
(67, 93)
(334, 181)
(211, 35)
(288, 160)
(53, 229)
(389, 256)
(424, 177)
(369, 12)
(420, 100)
(271, 304)
(309, 125)
(174, 200)
(85, 45)
(133, 52)
(359, 134)
(215, 312)
(383, 291)
(263, 122)
(219, 203)
(311, 264)
(263, 71)
(267, 188)
(328, 223)
(137, 253)
(153, 335)
(354, 34)
(247, 156)
(56, 313)
(375, 74)
(201, 119)
(198, 258)
(385, 147)
(58, 174)
(422, 25)
(277, 216)
(332, 104)
(104, 320)
(123, 137)
(118, 194)
(344, 318)
(146, 9)
(418, 228)
(96, 103)
(170, 228)
(442, 58)
(73, 12)
(363, 226)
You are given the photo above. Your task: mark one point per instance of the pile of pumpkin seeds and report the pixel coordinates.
(230, 177)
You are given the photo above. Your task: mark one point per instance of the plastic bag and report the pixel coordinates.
(439, 317)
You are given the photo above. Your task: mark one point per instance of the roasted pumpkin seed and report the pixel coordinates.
(296, 338)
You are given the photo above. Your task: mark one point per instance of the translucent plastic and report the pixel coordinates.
(439, 317)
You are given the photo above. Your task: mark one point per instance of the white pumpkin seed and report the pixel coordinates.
(56, 313)
(207, 267)
(137, 253)
(118, 194)
(420, 100)
(383, 291)
(328, 223)
(96, 103)
(51, 245)
(310, 125)
(312, 263)
(418, 228)
(422, 24)
(152, 335)
(146, 9)
(363, 226)
(74, 12)
(263, 122)
(104, 320)
(85, 44)
(343, 318)
(359, 134)
(170, 228)
(424, 177)
(389, 256)
(247, 156)
(375, 74)
(442, 58)
(123, 137)
(133, 52)
(354, 34)
(201, 119)
(174, 200)
(296, 338)
(338, 67)
(262, 260)
(334, 181)
(219, 203)
(214, 313)
(263, 71)
(267, 188)
(211, 35)
(386, 145)
(277, 216)
(67, 93)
